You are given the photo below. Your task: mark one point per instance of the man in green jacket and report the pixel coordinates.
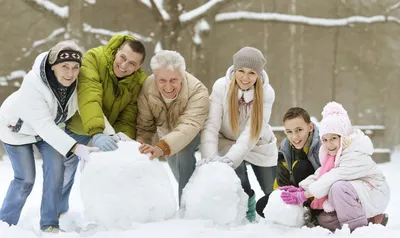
(108, 87)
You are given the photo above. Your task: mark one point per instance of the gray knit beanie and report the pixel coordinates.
(249, 57)
(65, 51)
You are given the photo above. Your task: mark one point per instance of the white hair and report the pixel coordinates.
(168, 59)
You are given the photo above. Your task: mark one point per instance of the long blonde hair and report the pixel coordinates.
(257, 108)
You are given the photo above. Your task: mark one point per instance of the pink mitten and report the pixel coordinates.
(291, 189)
(293, 198)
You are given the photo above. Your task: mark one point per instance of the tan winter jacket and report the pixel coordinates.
(177, 125)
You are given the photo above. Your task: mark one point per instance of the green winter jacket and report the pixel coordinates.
(100, 92)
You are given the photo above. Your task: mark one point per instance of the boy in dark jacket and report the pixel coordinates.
(298, 152)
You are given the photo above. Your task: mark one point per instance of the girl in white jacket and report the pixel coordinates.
(34, 115)
(349, 186)
(237, 128)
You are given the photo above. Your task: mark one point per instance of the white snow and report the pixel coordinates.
(159, 5)
(17, 74)
(182, 228)
(214, 193)
(121, 187)
(37, 43)
(158, 47)
(201, 25)
(59, 11)
(187, 16)
(281, 213)
(91, 1)
(101, 31)
(314, 21)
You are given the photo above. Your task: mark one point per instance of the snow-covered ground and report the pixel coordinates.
(176, 227)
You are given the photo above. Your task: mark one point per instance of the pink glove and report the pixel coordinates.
(291, 189)
(293, 198)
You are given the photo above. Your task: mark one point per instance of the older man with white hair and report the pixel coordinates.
(174, 104)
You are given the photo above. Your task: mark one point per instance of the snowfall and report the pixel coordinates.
(124, 194)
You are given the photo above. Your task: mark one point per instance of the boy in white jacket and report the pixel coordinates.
(349, 186)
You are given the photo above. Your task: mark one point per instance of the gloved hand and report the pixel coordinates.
(105, 143)
(293, 198)
(291, 189)
(203, 161)
(123, 137)
(224, 159)
(83, 151)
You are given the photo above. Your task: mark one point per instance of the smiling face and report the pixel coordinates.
(331, 143)
(297, 131)
(126, 61)
(169, 82)
(66, 72)
(245, 78)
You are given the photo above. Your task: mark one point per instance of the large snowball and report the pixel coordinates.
(279, 212)
(214, 192)
(123, 186)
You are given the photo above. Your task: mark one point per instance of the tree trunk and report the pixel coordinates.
(74, 24)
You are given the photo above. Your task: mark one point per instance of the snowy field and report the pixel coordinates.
(176, 227)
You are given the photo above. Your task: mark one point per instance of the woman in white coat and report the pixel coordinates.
(237, 129)
(35, 115)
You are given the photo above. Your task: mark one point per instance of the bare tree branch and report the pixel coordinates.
(35, 5)
(211, 7)
(143, 5)
(40, 42)
(303, 20)
(156, 12)
(393, 8)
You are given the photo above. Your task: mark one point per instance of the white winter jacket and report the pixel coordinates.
(217, 137)
(28, 115)
(356, 166)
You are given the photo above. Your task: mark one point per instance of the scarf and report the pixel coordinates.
(326, 166)
(62, 93)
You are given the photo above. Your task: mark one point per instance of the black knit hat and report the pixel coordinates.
(68, 55)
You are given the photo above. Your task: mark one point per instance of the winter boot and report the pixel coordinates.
(261, 204)
(251, 208)
(52, 229)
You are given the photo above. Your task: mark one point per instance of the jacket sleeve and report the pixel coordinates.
(146, 127)
(189, 123)
(282, 173)
(243, 144)
(351, 168)
(90, 95)
(127, 118)
(35, 111)
(209, 135)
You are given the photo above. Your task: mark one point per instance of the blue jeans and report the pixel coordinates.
(265, 177)
(23, 164)
(183, 164)
(71, 164)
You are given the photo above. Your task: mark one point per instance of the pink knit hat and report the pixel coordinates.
(335, 120)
